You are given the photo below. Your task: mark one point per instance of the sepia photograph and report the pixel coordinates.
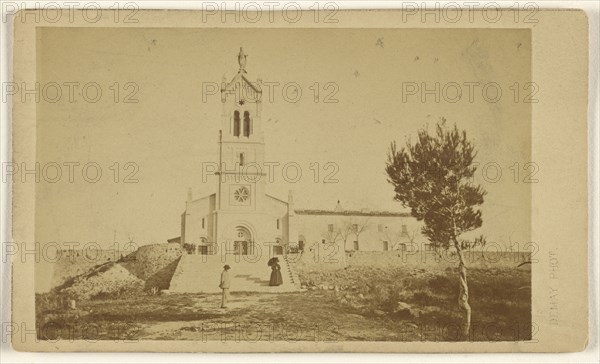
(249, 182)
(294, 188)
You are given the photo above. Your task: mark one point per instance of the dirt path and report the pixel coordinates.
(306, 316)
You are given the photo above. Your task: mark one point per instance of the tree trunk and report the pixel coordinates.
(463, 296)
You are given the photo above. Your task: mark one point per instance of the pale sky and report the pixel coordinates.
(170, 132)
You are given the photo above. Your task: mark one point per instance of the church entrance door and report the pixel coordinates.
(243, 243)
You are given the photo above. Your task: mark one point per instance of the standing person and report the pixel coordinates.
(276, 279)
(225, 285)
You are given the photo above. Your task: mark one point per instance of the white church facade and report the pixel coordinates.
(242, 214)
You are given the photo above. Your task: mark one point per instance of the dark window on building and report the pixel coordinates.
(330, 228)
(385, 246)
(404, 230)
(203, 223)
(323, 241)
(242, 159)
(278, 248)
(355, 245)
(236, 123)
(246, 124)
(277, 224)
(301, 245)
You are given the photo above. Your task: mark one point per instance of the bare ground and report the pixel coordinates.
(369, 304)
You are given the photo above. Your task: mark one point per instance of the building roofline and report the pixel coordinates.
(353, 213)
(275, 198)
(205, 197)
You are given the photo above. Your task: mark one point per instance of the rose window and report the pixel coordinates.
(241, 194)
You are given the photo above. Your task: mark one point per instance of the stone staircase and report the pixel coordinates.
(202, 274)
(293, 275)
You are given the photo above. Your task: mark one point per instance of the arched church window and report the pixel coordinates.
(246, 124)
(236, 123)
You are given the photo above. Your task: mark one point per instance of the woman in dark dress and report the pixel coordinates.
(276, 279)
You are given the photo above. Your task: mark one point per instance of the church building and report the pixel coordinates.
(243, 214)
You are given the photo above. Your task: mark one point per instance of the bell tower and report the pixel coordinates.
(241, 143)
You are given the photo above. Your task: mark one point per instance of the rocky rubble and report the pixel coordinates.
(376, 291)
(108, 280)
(148, 269)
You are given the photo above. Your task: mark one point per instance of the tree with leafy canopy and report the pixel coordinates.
(434, 178)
